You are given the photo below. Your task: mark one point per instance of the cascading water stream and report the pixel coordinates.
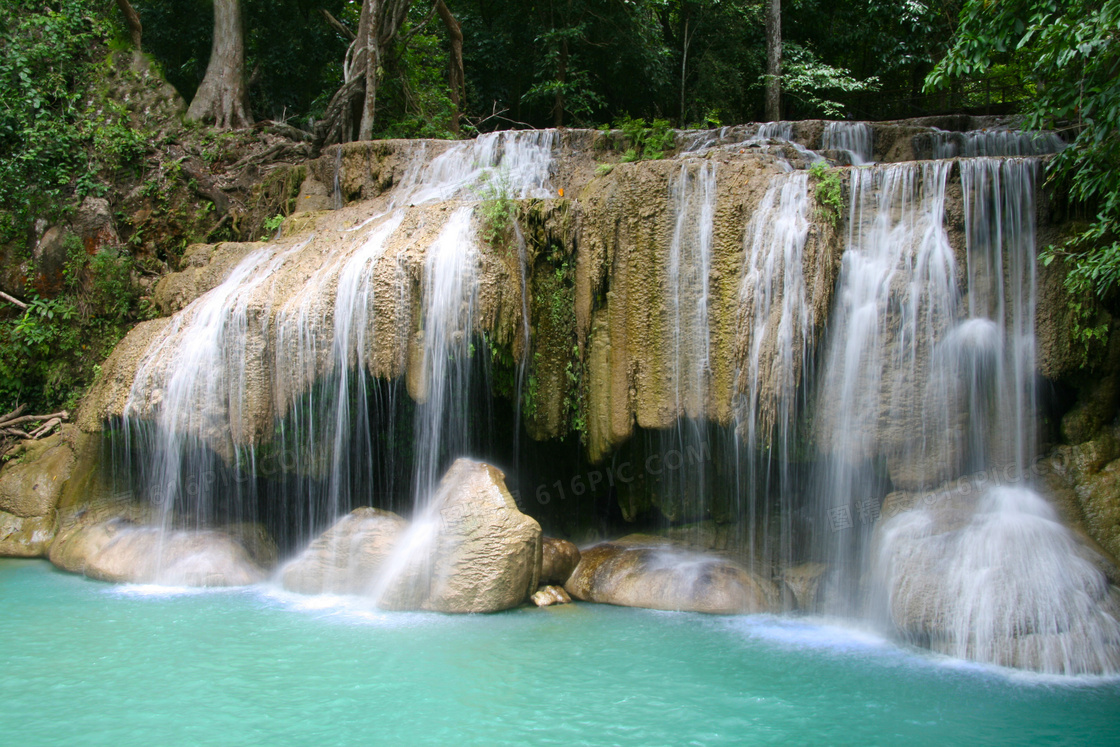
(896, 294)
(927, 380)
(927, 377)
(1013, 587)
(776, 310)
(205, 370)
(994, 143)
(853, 138)
(693, 197)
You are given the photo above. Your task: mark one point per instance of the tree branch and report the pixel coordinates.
(336, 24)
(135, 29)
(13, 299)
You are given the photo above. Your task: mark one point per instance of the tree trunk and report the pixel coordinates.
(456, 77)
(774, 60)
(374, 10)
(135, 28)
(384, 19)
(223, 97)
(684, 68)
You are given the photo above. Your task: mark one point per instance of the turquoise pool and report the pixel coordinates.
(87, 663)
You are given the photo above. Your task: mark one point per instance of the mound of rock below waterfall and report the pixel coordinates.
(992, 575)
(30, 487)
(122, 552)
(346, 558)
(469, 550)
(646, 572)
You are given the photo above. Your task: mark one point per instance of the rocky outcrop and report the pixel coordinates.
(801, 586)
(546, 596)
(1086, 480)
(470, 550)
(347, 558)
(122, 552)
(558, 559)
(486, 555)
(990, 573)
(641, 571)
(30, 488)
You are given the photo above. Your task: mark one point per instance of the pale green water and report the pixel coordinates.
(88, 663)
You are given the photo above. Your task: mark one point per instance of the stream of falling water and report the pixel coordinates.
(778, 314)
(927, 375)
(316, 346)
(854, 138)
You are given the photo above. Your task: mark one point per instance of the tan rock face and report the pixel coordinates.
(30, 489)
(803, 585)
(665, 577)
(558, 559)
(25, 537)
(470, 550)
(120, 552)
(31, 484)
(487, 554)
(1088, 475)
(347, 557)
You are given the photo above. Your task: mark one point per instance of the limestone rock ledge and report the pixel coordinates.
(121, 552)
(30, 488)
(642, 571)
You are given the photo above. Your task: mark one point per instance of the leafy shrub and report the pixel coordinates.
(830, 199)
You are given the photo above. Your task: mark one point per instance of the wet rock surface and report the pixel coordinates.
(642, 572)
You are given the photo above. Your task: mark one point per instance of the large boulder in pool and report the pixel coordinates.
(354, 556)
(485, 553)
(645, 572)
(469, 550)
(30, 487)
(558, 559)
(122, 552)
(991, 574)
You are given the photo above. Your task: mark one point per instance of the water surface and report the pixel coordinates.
(87, 663)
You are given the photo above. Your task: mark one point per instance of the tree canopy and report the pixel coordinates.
(1069, 52)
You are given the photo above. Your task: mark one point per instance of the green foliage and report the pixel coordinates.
(48, 58)
(806, 79)
(563, 80)
(1071, 49)
(830, 200)
(645, 140)
(498, 208)
(272, 225)
(414, 100)
(50, 354)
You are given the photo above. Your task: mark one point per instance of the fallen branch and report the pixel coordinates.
(46, 428)
(13, 299)
(15, 432)
(62, 415)
(14, 413)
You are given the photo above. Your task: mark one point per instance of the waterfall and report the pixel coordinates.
(996, 142)
(854, 138)
(692, 194)
(775, 130)
(775, 308)
(934, 383)
(896, 294)
(238, 389)
(448, 313)
(341, 371)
